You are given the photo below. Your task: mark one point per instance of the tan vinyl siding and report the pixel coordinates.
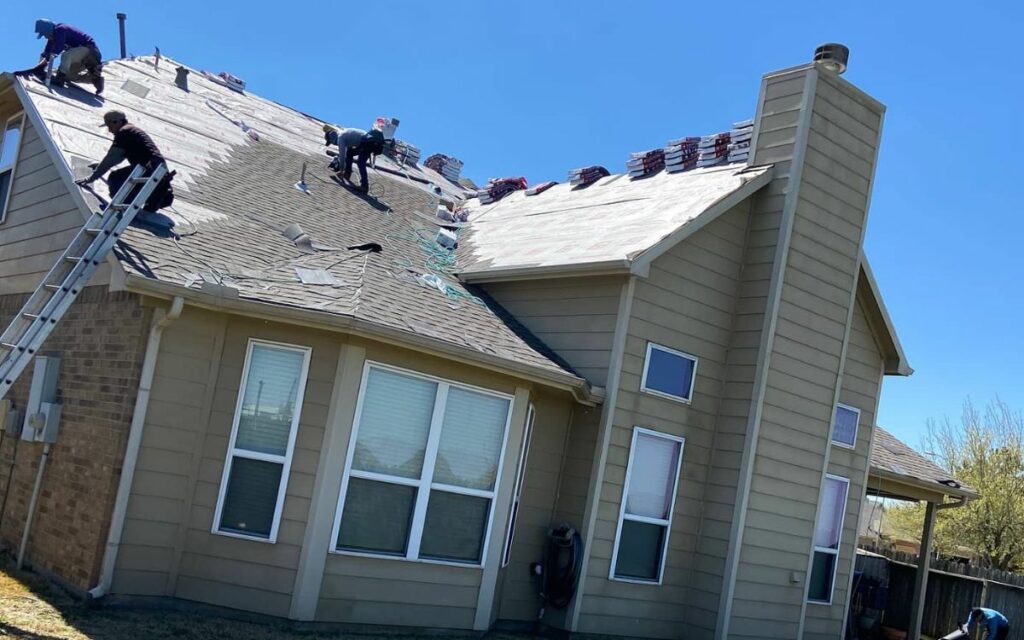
(686, 304)
(861, 386)
(573, 316)
(818, 277)
(41, 219)
(519, 598)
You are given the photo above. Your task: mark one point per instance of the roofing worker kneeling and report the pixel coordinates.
(996, 625)
(80, 58)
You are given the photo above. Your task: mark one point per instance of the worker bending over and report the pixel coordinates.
(134, 145)
(80, 58)
(996, 625)
(354, 145)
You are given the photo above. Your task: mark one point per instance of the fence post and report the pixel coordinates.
(984, 594)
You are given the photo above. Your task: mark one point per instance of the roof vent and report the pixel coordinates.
(833, 56)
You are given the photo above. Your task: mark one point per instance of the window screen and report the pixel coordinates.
(845, 430)
(262, 439)
(669, 373)
(828, 532)
(422, 481)
(645, 516)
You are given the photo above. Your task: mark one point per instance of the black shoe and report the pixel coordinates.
(98, 83)
(58, 80)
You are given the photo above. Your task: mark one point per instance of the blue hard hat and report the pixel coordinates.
(44, 28)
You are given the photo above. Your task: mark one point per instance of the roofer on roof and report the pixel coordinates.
(134, 145)
(80, 58)
(357, 145)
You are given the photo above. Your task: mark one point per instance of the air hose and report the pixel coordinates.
(560, 570)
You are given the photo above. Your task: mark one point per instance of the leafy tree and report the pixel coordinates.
(986, 452)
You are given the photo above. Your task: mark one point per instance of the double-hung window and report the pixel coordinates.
(828, 531)
(645, 516)
(262, 441)
(669, 373)
(844, 431)
(422, 471)
(10, 142)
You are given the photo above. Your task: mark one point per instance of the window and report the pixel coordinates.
(844, 431)
(422, 470)
(827, 533)
(9, 145)
(262, 440)
(518, 494)
(669, 373)
(645, 516)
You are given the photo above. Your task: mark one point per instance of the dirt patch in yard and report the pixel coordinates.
(31, 607)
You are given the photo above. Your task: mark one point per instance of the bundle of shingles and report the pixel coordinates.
(447, 166)
(681, 154)
(713, 149)
(498, 188)
(404, 153)
(645, 163)
(587, 175)
(739, 146)
(540, 188)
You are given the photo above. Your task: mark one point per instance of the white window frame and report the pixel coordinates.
(517, 493)
(285, 460)
(424, 483)
(839, 546)
(625, 516)
(20, 116)
(856, 429)
(655, 392)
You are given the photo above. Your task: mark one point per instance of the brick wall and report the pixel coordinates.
(101, 342)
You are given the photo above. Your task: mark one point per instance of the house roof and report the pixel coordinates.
(235, 195)
(610, 222)
(893, 459)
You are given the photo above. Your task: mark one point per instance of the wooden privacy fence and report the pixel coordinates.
(953, 588)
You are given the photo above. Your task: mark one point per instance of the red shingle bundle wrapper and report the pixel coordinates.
(498, 188)
(645, 163)
(587, 175)
(540, 188)
(681, 154)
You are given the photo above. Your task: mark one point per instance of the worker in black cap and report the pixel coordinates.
(133, 145)
(354, 145)
(80, 58)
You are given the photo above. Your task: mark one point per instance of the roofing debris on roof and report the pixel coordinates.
(889, 454)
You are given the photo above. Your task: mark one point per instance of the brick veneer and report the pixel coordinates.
(101, 341)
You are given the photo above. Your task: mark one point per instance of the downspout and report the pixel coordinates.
(162, 319)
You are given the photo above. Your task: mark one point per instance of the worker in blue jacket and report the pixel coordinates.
(80, 58)
(995, 623)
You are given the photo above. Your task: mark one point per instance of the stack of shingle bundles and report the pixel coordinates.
(447, 166)
(645, 163)
(713, 149)
(498, 188)
(739, 145)
(587, 175)
(681, 154)
(405, 153)
(540, 188)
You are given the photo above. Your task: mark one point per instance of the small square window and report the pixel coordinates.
(844, 432)
(669, 373)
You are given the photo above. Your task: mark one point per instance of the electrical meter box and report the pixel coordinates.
(42, 413)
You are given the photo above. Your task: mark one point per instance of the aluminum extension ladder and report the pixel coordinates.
(50, 301)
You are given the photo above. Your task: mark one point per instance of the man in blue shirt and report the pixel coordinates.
(995, 623)
(80, 58)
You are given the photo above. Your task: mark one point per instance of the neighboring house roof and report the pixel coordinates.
(609, 223)
(235, 196)
(893, 459)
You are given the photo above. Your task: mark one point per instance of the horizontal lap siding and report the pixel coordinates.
(686, 304)
(573, 316)
(818, 277)
(861, 371)
(519, 597)
(41, 219)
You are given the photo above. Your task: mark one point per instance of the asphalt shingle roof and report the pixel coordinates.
(889, 454)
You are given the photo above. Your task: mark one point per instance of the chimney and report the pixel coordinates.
(121, 17)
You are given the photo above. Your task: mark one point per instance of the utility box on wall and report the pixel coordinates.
(42, 414)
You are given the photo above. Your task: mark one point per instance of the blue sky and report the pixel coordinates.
(538, 88)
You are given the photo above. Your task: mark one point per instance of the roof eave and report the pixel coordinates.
(925, 485)
(896, 360)
(609, 267)
(578, 387)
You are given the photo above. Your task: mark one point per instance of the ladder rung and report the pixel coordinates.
(93, 232)
(30, 316)
(52, 287)
(142, 180)
(120, 206)
(73, 258)
(8, 345)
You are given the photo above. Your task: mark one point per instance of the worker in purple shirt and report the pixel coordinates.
(995, 623)
(80, 58)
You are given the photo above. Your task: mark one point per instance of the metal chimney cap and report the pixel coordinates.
(833, 56)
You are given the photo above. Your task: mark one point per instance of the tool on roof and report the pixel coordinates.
(587, 175)
(71, 273)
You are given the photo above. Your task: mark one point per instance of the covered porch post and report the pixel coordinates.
(921, 579)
